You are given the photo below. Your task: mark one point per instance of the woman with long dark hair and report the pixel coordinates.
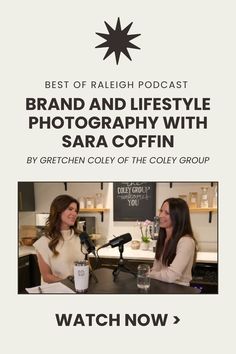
(176, 245)
(60, 247)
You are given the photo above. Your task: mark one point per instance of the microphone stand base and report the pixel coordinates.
(122, 268)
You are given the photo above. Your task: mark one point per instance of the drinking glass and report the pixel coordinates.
(143, 280)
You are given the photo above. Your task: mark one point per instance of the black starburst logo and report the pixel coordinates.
(117, 41)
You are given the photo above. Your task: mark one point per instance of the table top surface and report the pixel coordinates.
(126, 283)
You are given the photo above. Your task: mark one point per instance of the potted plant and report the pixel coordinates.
(145, 233)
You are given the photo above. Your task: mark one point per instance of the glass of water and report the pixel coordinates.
(143, 280)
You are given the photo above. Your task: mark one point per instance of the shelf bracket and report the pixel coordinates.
(101, 185)
(171, 184)
(65, 184)
(102, 216)
(210, 217)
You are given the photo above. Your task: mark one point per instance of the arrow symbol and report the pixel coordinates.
(176, 319)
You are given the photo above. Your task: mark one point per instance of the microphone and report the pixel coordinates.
(87, 242)
(117, 241)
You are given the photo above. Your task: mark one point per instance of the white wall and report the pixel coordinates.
(205, 232)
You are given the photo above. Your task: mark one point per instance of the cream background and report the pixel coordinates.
(55, 40)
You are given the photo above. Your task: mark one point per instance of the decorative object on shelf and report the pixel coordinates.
(135, 245)
(146, 229)
(89, 202)
(193, 199)
(204, 198)
(99, 201)
(184, 197)
(82, 202)
(214, 200)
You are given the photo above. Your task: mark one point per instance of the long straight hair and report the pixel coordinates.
(53, 223)
(180, 219)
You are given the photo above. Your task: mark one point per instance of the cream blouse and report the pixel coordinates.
(69, 250)
(180, 270)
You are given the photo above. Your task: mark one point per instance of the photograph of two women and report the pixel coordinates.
(118, 237)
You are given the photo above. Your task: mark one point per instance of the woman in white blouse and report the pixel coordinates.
(176, 245)
(60, 247)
